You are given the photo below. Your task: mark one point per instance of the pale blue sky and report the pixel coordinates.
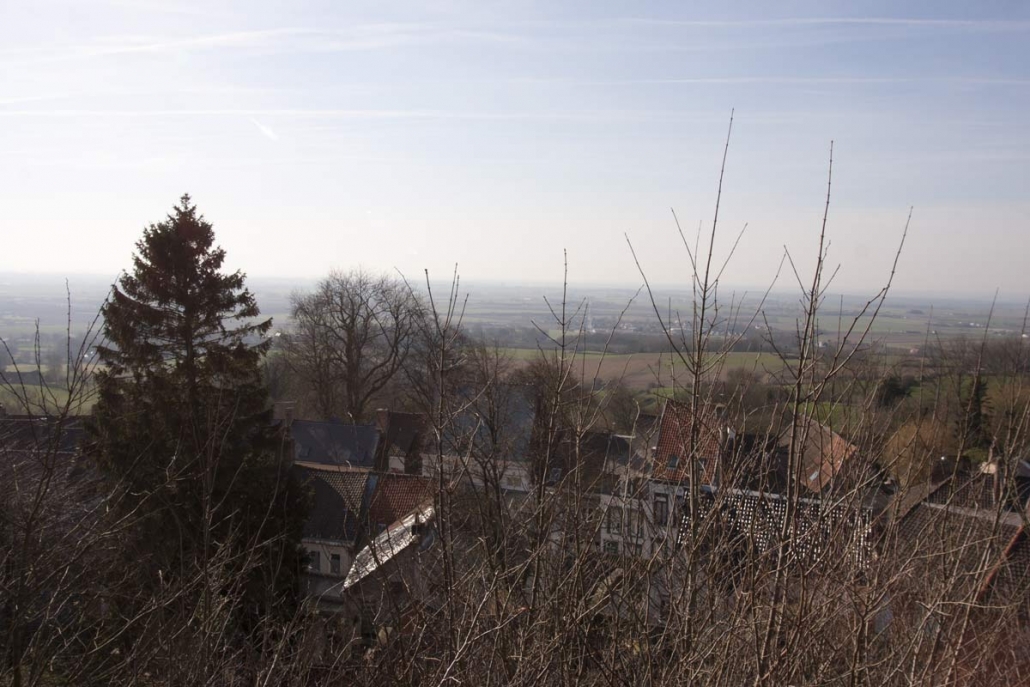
(417, 135)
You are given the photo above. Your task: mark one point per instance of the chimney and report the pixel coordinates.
(283, 411)
(383, 419)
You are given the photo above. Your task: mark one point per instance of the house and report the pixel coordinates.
(349, 508)
(615, 472)
(949, 550)
(54, 498)
(824, 454)
(690, 440)
(40, 457)
(339, 500)
(388, 576)
(489, 443)
(34, 433)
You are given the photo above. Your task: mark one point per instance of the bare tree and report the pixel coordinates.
(349, 339)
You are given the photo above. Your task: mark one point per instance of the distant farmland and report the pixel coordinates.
(642, 371)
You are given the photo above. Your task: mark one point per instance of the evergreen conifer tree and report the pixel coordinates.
(182, 422)
(973, 426)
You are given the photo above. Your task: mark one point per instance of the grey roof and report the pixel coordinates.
(46, 482)
(40, 433)
(339, 499)
(402, 432)
(627, 451)
(334, 443)
(510, 408)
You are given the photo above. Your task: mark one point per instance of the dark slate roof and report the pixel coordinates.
(22, 432)
(44, 477)
(402, 432)
(334, 443)
(338, 499)
(577, 459)
(965, 491)
(626, 451)
(396, 496)
(972, 488)
(28, 378)
(1009, 581)
(593, 461)
(510, 408)
(960, 546)
(33, 447)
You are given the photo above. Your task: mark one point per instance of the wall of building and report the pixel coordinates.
(320, 581)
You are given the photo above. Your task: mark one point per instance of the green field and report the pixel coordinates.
(641, 371)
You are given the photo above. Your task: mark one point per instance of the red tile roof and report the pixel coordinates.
(823, 454)
(680, 442)
(396, 495)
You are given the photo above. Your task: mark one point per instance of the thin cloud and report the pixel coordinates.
(159, 7)
(265, 131)
(779, 80)
(289, 39)
(315, 113)
(981, 24)
(18, 100)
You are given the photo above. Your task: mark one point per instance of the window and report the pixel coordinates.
(674, 461)
(641, 522)
(661, 509)
(584, 515)
(614, 520)
(611, 547)
(334, 564)
(638, 550)
(555, 476)
(314, 561)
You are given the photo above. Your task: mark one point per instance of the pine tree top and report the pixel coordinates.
(177, 307)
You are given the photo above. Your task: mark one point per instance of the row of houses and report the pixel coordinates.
(374, 509)
(368, 479)
(644, 491)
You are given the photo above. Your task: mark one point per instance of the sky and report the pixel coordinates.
(496, 135)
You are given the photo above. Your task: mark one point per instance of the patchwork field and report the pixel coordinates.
(642, 371)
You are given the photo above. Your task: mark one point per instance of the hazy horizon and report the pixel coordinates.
(405, 137)
(782, 290)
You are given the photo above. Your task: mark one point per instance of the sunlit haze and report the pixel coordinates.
(414, 136)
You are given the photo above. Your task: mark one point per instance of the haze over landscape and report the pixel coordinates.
(406, 136)
(355, 343)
